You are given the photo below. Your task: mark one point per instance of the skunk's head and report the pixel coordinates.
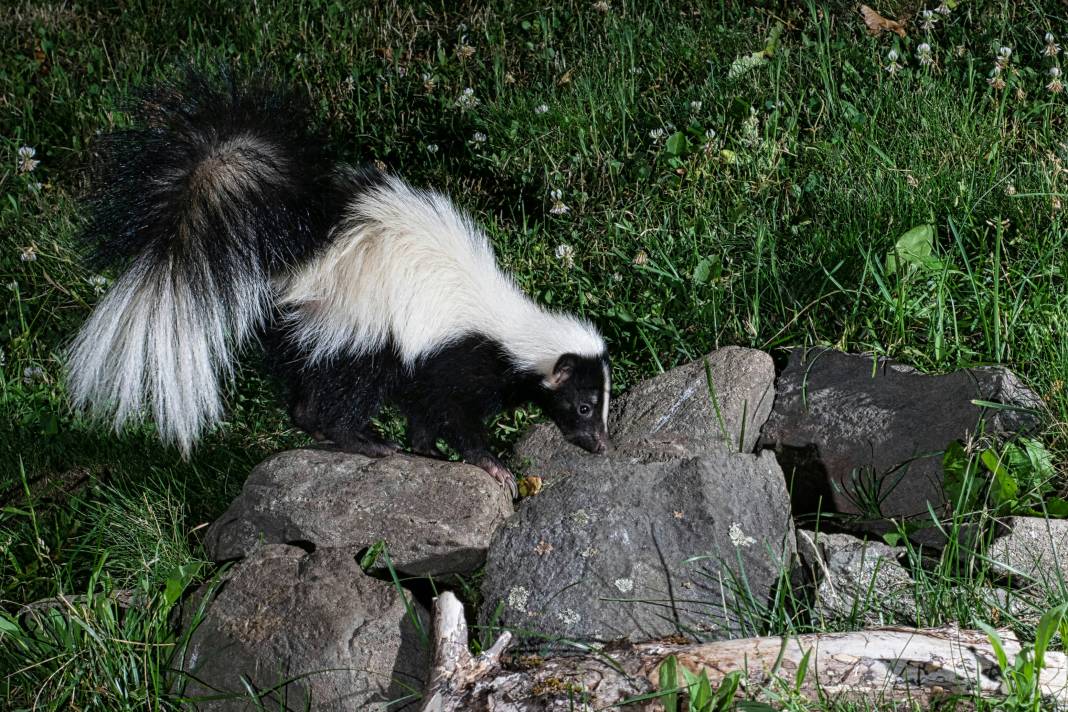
(575, 396)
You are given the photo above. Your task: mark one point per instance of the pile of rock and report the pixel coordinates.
(684, 525)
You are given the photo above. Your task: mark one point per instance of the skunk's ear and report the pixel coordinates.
(562, 371)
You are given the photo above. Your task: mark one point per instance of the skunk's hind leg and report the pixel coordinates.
(336, 400)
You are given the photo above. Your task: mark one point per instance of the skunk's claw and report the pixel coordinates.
(500, 473)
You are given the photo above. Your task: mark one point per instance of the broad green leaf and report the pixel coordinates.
(668, 678)
(702, 271)
(913, 249)
(746, 63)
(1057, 507)
(677, 144)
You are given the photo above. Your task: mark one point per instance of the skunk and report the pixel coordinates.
(233, 223)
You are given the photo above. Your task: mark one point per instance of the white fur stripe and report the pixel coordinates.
(607, 396)
(406, 265)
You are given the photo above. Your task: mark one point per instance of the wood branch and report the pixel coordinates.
(887, 665)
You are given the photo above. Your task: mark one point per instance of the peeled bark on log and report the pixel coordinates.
(911, 667)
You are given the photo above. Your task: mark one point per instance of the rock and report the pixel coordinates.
(346, 640)
(1032, 550)
(605, 553)
(674, 414)
(436, 517)
(857, 581)
(866, 436)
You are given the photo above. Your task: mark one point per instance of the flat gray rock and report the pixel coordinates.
(677, 414)
(436, 517)
(865, 437)
(856, 580)
(606, 552)
(346, 640)
(1032, 550)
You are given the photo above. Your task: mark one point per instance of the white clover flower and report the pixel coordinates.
(695, 106)
(26, 159)
(656, 134)
(943, 9)
(601, 6)
(432, 148)
(738, 537)
(29, 254)
(892, 65)
(31, 374)
(467, 99)
(541, 109)
(710, 134)
(928, 20)
(996, 80)
(98, 282)
(1004, 55)
(1055, 84)
(565, 253)
(923, 54)
(479, 137)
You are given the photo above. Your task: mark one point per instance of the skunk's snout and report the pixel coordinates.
(591, 443)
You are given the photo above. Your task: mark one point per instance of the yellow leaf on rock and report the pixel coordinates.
(529, 486)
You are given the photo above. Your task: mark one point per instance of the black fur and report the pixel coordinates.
(150, 181)
(447, 396)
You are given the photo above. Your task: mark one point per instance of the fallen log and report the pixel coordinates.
(907, 667)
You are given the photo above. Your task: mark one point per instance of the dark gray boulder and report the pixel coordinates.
(607, 552)
(436, 517)
(344, 640)
(676, 414)
(864, 437)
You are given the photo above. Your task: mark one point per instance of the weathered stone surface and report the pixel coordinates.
(436, 517)
(345, 639)
(866, 436)
(1032, 550)
(857, 580)
(604, 553)
(675, 415)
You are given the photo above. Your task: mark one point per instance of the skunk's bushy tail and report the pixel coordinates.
(215, 186)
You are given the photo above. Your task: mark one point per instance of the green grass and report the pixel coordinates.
(769, 226)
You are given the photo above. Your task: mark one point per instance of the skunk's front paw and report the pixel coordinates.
(498, 472)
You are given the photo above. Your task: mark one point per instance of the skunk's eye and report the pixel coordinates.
(584, 409)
